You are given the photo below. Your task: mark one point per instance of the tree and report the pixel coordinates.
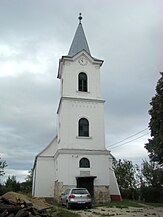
(11, 184)
(27, 185)
(155, 145)
(152, 173)
(3, 164)
(151, 189)
(126, 174)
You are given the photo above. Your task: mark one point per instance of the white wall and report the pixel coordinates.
(70, 113)
(69, 164)
(43, 185)
(75, 104)
(51, 149)
(114, 189)
(69, 78)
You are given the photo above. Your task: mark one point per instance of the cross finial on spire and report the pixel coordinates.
(80, 17)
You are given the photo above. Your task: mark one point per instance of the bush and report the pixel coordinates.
(151, 194)
(131, 194)
(3, 190)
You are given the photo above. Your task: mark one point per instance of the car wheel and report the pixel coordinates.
(68, 205)
(90, 206)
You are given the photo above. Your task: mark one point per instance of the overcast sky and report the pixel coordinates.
(34, 34)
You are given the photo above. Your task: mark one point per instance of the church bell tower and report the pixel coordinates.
(81, 131)
(81, 107)
(77, 156)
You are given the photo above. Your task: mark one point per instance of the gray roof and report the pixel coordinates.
(79, 42)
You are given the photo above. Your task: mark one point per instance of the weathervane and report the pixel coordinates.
(80, 17)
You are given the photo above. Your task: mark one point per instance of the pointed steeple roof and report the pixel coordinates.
(79, 42)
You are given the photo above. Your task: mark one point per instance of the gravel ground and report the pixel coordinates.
(124, 212)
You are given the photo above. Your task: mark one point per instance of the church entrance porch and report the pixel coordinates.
(86, 182)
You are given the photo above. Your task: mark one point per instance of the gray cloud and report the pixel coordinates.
(35, 34)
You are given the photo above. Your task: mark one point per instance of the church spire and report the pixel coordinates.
(79, 42)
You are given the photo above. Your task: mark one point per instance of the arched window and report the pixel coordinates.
(83, 127)
(82, 82)
(84, 163)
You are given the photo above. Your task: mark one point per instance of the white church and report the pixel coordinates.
(77, 156)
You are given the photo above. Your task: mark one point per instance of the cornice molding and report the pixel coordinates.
(76, 56)
(79, 100)
(81, 151)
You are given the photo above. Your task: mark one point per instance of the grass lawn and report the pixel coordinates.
(63, 212)
(60, 210)
(124, 204)
(129, 203)
(154, 204)
(66, 213)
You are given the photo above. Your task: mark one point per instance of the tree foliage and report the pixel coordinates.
(3, 164)
(152, 179)
(143, 183)
(126, 174)
(155, 145)
(11, 184)
(27, 185)
(152, 174)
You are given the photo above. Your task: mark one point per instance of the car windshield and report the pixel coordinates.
(79, 191)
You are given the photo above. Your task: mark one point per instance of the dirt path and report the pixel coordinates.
(124, 212)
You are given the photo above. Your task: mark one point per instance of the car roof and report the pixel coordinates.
(78, 188)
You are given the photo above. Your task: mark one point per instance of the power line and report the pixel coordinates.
(130, 140)
(128, 137)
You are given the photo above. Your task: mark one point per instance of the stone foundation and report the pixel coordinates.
(59, 188)
(101, 194)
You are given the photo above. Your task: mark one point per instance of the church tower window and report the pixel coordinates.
(83, 127)
(82, 82)
(84, 163)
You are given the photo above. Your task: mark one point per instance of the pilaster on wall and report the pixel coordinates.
(101, 194)
(59, 188)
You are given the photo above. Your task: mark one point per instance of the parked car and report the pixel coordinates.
(75, 197)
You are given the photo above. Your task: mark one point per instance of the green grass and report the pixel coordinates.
(63, 212)
(154, 204)
(123, 204)
(60, 210)
(129, 203)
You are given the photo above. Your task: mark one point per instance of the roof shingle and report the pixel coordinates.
(79, 42)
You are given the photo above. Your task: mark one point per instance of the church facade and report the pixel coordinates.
(77, 156)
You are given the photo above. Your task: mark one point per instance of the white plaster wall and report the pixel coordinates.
(68, 168)
(69, 78)
(50, 149)
(44, 177)
(33, 182)
(70, 113)
(101, 168)
(114, 189)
